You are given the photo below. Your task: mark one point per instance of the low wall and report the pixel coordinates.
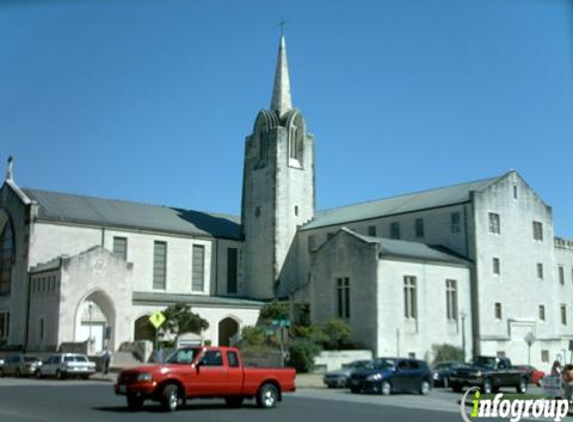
(333, 359)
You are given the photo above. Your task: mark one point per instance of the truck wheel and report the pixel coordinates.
(267, 396)
(234, 401)
(425, 388)
(522, 387)
(60, 375)
(38, 374)
(457, 388)
(171, 398)
(386, 388)
(1, 372)
(134, 403)
(355, 390)
(488, 386)
(18, 374)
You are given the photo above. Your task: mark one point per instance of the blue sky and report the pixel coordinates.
(151, 100)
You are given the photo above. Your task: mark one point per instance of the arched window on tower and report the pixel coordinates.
(296, 141)
(6, 258)
(262, 140)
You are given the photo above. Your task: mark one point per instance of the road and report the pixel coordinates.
(23, 400)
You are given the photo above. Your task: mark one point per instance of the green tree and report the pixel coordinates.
(179, 319)
(337, 332)
(301, 353)
(274, 310)
(252, 336)
(447, 352)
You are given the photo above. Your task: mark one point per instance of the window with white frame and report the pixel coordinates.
(451, 300)
(343, 297)
(494, 223)
(120, 247)
(198, 282)
(538, 231)
(159, 265)
(410, 297)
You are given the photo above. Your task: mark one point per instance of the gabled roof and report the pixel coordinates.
(392, 248)
(433, 198)
(64, 207)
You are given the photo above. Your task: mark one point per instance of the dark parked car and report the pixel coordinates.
(392, 375)
(341, 377)
(20, 365)
(442, 372)
(489, 373)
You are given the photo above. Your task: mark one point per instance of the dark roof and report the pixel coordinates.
(81, 209)
(411, 250)
(433, 198)
(159, 297)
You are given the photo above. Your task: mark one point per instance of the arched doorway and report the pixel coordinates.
(228, 329)
(143, 330)
(95, 322)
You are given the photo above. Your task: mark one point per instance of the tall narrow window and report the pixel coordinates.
(419, 227)
(497, 312)
(343, 297)
(563, 314)
(496, 266)
(159, 265)
(6, 258)
(372, 231)
(451, 300)
(494, 223)
(542, 312)
(455, 218)
(561, 274)
(311, 243)
(198, 282)
(540, 270)
(538, 231)
(410, 297)
(42, 328)
(120, 247)
(514, 191)
(232, 254)
(395, 230)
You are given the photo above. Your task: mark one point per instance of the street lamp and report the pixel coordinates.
(463, 315)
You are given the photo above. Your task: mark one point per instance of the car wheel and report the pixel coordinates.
(267, 396)
(457, 388)
(425, 387)
(234, 401)
(134, 403)
(386, 388)
(172, 398)
(522, 387)
(355, 390)
(2, 373)
(488, 386)
(38, 374)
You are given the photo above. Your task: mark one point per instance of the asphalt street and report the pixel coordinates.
(29, 400)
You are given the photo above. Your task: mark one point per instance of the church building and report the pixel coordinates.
(476, 265)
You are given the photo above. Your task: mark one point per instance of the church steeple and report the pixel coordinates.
(281, 101)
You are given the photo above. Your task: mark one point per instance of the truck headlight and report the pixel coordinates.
(374, 377)
(479, 374)
(144, 377)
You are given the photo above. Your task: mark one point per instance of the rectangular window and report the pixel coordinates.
(494, 223)
(538, 231)
(4, 324)
(233, 359)
(542, 312)
(311, 243)
(232, 254)
(497, 312)
(372, 231)
(198, 282)
(343, 297)
(540, 270)
(159, 265)
(455, 219)
(514, 192)
(545, 356)
(496, 266)
(563, 314)
(42, 328)
(451, 300)
(419, 227)
(410, 299)
(395, 230)
(561, 274)
(120, 247)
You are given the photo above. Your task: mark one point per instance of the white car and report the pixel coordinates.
(66, 365)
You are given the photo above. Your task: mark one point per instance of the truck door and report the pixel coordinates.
(234, 380)
(211, 374)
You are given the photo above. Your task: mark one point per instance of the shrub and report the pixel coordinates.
(336, 332)
(252, 336)
(274, 311)
(447, 352)
(302, 353)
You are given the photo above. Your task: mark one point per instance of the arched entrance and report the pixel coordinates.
(228, 329)
(95, 322)
(143, 330)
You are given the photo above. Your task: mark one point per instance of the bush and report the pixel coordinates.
(274, 311)
(447, 352)
(336, 332)
(302, 353)
(252, 336)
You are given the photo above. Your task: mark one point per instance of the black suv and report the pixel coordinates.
(392, 375)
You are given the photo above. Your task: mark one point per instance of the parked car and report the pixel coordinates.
(392, 375)
(534, 375)
(442, 372)
(64, 365)
(341, 377)
(205, 372)
(489, 373)
(20, 365)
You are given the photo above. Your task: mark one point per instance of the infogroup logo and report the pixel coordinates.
(513, 409)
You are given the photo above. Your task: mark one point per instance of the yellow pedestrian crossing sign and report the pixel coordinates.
(157, 319)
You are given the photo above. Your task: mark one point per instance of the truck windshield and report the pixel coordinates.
(485, 362)
(183, 356)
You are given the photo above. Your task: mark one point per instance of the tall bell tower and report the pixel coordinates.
(278, 190)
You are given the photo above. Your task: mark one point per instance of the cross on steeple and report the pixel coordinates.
(282, 24)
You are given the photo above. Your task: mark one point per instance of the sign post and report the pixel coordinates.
(157, 319)
(281, 325)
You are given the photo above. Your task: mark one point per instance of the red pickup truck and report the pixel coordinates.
(203, 372)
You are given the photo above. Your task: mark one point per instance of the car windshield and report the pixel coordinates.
(358, 364)
(485, 362)
(382, 364)
(30, 359)
(182, 356)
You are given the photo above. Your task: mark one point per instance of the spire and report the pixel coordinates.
(10, 169)
(281, 101)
